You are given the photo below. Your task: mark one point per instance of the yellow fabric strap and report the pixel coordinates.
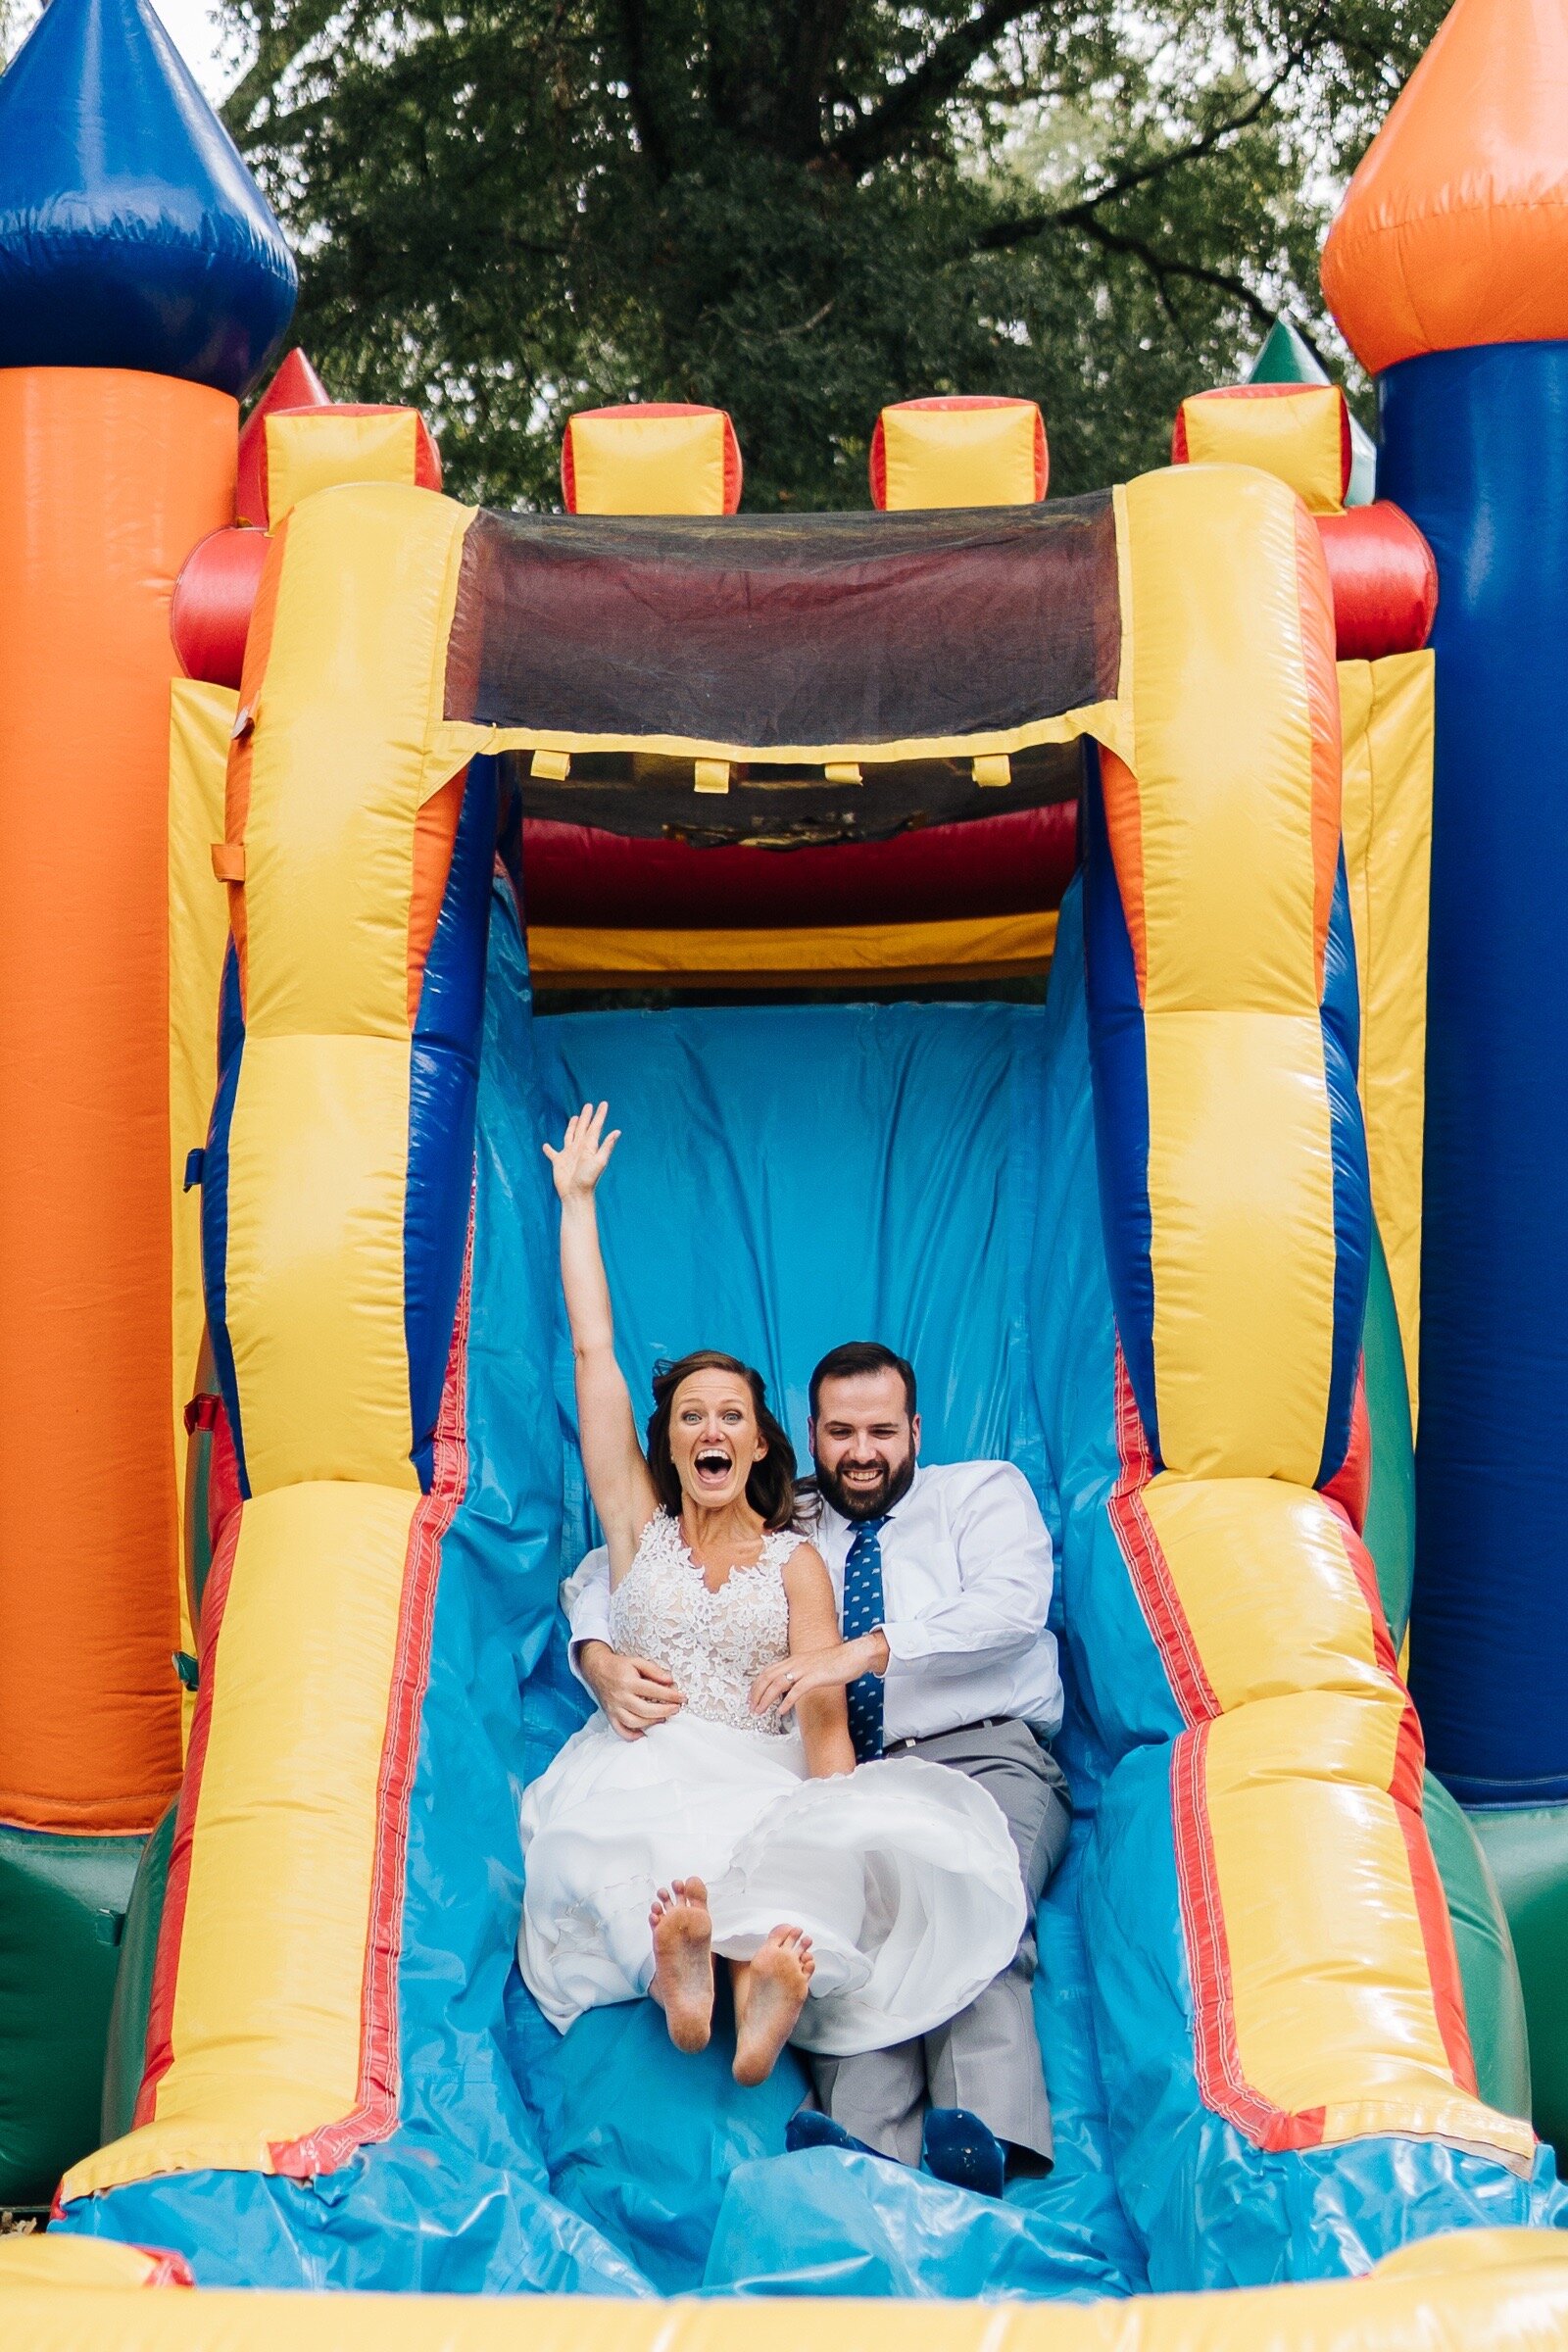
(200, 717)
(453, 741)
(1387, 710)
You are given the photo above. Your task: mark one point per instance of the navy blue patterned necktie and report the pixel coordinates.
(863, 1612)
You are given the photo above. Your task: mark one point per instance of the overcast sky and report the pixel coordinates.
(190, 22)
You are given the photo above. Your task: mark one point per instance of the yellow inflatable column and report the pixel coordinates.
(1489, 2290)
(272, 2044)
(1325, 1989)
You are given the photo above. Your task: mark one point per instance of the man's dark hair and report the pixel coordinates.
(855, 1359)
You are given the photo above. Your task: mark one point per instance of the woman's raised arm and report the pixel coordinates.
(617, 1474)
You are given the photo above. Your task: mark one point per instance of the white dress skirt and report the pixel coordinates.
(902, 1873)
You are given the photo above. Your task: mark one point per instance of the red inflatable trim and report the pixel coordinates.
(1146, 1565)
(210, 616)
(251, 493)
(1178, 438)
(734, 470)
(1385, 581)
(169, 2268)
(1350, 1488)
(877, 467)
(576, 876)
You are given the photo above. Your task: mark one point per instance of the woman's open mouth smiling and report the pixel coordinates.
(712, 1466)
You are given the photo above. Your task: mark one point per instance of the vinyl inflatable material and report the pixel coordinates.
(284, 1255)
(398, 1416)
(131, 234)
(1444, 270)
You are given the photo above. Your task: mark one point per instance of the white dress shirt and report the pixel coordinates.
(966, 1573)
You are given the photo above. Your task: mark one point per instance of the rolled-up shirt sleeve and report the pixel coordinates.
(1004, 1567)
(585, 1597)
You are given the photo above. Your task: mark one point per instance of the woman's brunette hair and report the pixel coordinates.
(770, 1488)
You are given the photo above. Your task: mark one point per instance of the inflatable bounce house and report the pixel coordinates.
(350, 835)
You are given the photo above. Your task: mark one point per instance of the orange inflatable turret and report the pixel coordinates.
(1451, 233)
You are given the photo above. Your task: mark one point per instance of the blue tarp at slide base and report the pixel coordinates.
(790, 1177)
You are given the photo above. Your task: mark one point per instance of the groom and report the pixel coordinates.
(944, 1583)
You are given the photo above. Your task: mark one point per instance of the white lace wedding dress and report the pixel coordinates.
(902, 1873)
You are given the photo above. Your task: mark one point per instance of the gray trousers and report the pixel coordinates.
(987, 2058)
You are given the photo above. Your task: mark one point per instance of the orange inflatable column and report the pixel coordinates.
(143, 287)
(109, 478)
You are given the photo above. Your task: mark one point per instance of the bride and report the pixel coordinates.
(857, 1907)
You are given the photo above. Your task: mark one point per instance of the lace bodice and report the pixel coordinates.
(714, 1643)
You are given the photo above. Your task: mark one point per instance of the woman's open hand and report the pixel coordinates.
(788, 1681)
(585, 1153)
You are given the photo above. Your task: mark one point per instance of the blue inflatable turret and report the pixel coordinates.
(1447, 271)
(131, 234)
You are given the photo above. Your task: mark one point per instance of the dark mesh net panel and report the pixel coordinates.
(769, 631)
(788, 808)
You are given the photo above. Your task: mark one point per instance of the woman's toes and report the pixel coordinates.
(777, 1984)
(683, 1965)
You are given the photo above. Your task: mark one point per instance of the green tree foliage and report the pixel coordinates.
(803, 209)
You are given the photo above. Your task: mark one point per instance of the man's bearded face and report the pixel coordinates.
(864, 1444)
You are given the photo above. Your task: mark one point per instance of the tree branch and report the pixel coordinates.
(645, 117)
(1162, 266)
(814, 27)
(938, 76)
(1083, 212)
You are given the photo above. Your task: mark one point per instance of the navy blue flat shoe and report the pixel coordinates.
(958, 2148)
(808, 2129)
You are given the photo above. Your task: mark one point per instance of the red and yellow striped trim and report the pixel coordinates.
(1300, 1738)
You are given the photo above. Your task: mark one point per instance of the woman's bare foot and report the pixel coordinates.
(683, 1962)
(770, 1995)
